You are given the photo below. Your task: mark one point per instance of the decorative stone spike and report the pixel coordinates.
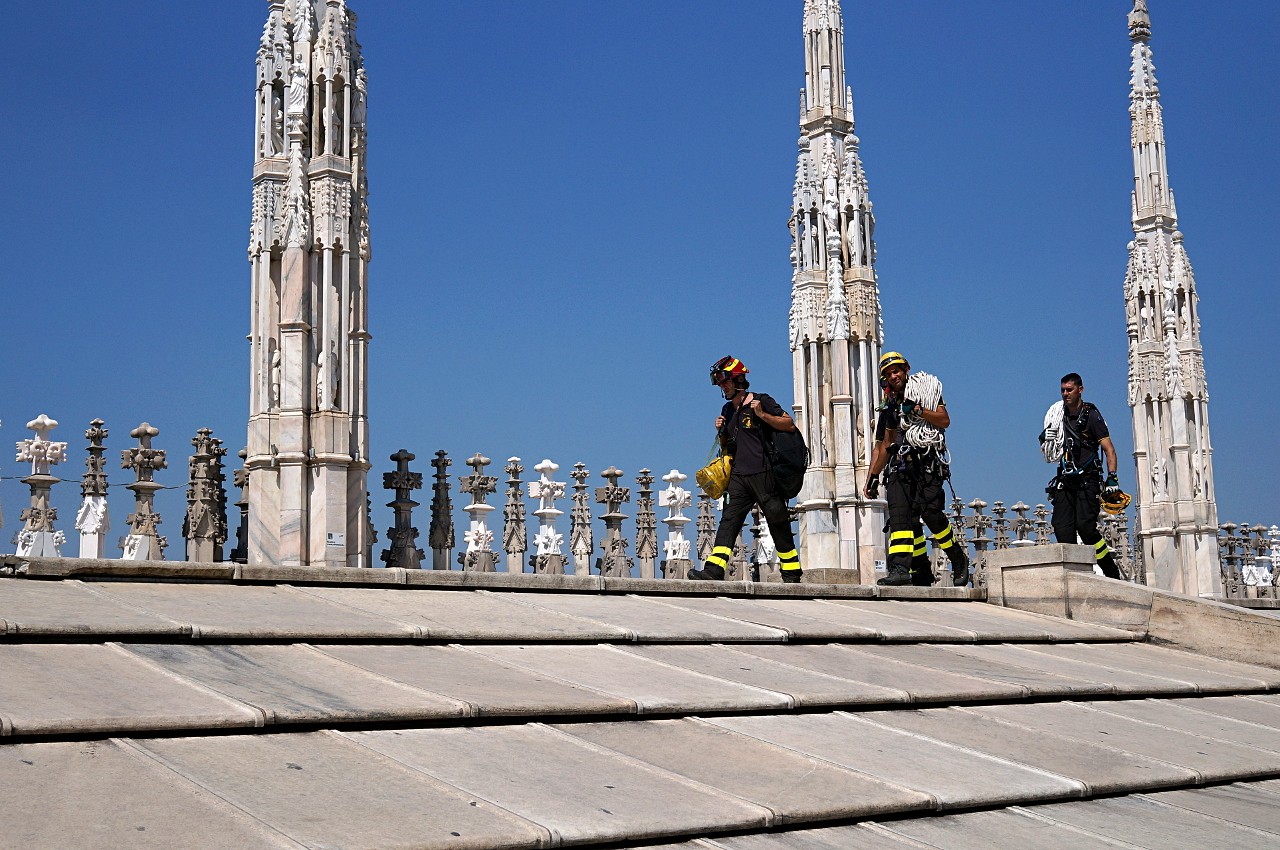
(547, 558)
(1001, 525)
(581, 541)
(979, 523)
(479, 555)
(514, 536)
(38, 538)
(92, 520)
(143, 542)
(765, 565)
(614, 562)
(205, 525)
(240, 479)
(1042, 525)
(738, 568)
(646, 526)
(676, 500)
(403, 551)
(706, 526)
(1022, 525)
(440, 535)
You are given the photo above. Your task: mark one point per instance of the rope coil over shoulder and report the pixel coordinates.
(1051, 438)
(926, 391)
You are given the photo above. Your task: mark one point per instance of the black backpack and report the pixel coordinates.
(789, 458)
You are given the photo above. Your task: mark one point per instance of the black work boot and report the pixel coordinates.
(960, 569)
(898, 576)
(922, 572)
(791, 576)
(709, 572)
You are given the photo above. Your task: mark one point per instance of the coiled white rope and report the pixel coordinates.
(1051, 439)
(926, 391)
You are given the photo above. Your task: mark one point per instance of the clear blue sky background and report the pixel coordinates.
(578, 206)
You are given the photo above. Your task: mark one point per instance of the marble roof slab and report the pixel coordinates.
(922, 684)
(956, 658)
(1242, 803)
(72, 608)
(1047, 658)
(1010, 828)
(101, 794)
(650, 619)
(794, 786)
(95, 688)
(294, 683)
(325, 791)
(652, 685)
(1263, 710)
(1205, 675)
(1102, 769)
(955, 776)
(1143, 822)
(881, 617)
(1212, 759)
(575, 790)
(984, 622)
(799, 618)
(470, 614)
(1185, 718)
(489, 687)
(253, 611)
(805, 687)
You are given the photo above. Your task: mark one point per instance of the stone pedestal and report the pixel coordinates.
(1034, 578)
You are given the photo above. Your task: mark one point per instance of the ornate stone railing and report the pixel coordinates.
(1249, 555)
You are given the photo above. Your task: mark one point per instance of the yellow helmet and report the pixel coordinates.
(892, 358)
(1115, 502)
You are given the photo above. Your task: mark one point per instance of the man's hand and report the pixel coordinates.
(1112, 485)
(719, 422)
(908, 407)
(872, 488)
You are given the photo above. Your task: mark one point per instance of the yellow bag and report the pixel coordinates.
(714, 477)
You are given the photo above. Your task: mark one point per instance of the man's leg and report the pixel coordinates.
(1064, 514)
(944, 536)
(921, 566)
(778, 518)
(1087, 509)
(738, 503)
(902, 534)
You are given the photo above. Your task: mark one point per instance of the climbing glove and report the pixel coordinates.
(1112, 485)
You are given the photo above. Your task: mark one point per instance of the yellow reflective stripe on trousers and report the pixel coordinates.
(1100, 550)
(919, 545)
(789, 560)
(720, 556)
(945, 538)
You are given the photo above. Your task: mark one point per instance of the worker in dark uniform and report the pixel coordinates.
(911, 450)
(1076, 490)
(741, 428)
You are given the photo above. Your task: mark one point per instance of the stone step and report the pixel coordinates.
(99, 610)
(534, 784)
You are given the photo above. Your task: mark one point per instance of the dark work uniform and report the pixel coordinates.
(913, 488)
(751, 483)
(1074, 491)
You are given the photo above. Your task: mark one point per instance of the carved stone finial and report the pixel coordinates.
(38, 537)
(547, 558)
(440, 537)
(614, 562)
(403, 551)
(1139, 22)
(205, 524)
(581, 540)
(676, 499)
(143, 543)
(479, 555)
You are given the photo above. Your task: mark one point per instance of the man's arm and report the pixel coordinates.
(1109, 452)
(780, 421)
(879, 457)
(939, 418)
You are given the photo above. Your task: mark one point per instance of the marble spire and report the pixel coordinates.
(835, 324)
(1168, 395)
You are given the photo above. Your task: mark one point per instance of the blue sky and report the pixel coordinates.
(578, 206)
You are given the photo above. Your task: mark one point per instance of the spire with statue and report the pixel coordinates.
(835, 323)
(308, 454)
(1177, 524)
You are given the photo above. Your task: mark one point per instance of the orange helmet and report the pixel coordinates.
(728, 367)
